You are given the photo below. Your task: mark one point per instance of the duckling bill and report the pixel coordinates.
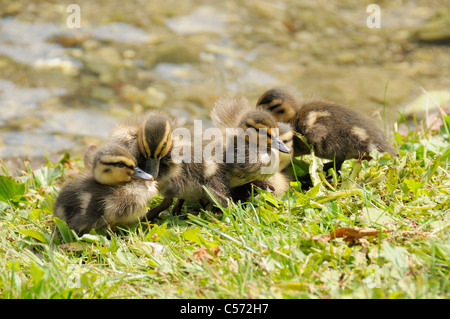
(114, 192)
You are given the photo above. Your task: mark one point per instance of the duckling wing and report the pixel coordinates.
(228, 111)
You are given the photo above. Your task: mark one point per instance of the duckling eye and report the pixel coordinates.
(280, 112)
(120, 164)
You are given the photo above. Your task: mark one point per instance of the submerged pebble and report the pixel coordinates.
(150, 97)
(16, 102)
(119, 32)
(203, 19)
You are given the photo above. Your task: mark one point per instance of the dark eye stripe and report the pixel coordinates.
(273, 107)
(142, 143)
(117, 164)
(247, 125)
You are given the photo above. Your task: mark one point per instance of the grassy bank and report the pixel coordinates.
(383, 232)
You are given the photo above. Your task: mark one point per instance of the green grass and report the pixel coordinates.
(266, 248)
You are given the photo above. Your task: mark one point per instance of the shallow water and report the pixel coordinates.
(62, 89)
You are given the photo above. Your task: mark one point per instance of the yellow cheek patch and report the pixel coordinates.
(104, 175)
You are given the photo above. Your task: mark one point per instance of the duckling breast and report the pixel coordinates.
(128, 203)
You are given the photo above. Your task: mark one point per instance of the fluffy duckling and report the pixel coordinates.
(246, 159)
(114, 192)
(181, 172)
(278, 183)
(336, 132)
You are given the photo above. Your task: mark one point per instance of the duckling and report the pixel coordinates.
(113, 192)
(336, 132)
(246, 159)
(278, 183)
(181, 172)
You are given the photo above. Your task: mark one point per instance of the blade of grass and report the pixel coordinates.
(202, 223)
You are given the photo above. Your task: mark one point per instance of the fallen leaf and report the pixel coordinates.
(351, 235)
(204, 254)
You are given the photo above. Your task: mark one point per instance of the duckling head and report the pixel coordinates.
(155, 140)
(280, 103)
(258, 121)
(113, 165)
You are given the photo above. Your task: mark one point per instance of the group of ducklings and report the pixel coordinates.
(137, 162)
